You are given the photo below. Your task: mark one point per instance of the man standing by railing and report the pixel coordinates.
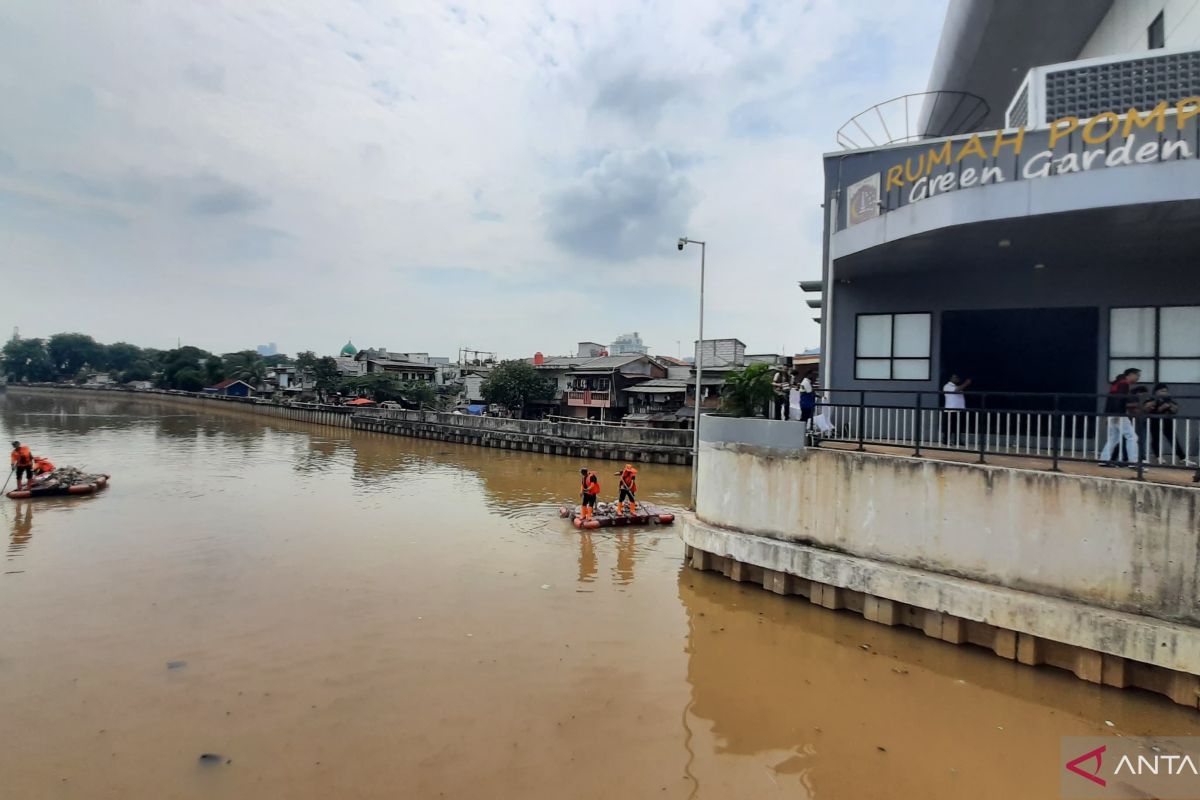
(955, 405)
(782, 388)
(1120, 425)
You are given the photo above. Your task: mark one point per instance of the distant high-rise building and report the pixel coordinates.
(627, 343)
(267, 349)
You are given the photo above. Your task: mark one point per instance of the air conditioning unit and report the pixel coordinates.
(1092, 86)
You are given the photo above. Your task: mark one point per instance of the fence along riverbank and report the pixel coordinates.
(615, 443)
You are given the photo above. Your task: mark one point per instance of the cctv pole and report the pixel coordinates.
(699, 371)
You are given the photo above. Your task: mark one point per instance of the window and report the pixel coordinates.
(892, 347)
(1156, 34)
(1164, 343)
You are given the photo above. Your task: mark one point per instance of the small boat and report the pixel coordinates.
(61, 482)
(607, 516)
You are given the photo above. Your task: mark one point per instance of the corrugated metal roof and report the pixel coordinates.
(389, 362)
(660, 386)
(561, 361)
(608, 363)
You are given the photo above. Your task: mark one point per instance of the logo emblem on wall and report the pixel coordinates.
(864, 200)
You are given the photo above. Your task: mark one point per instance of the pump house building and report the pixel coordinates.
(1033, 220)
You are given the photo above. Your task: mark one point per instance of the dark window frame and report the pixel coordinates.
(1154, 358)
(892, 359)
(1156, 33)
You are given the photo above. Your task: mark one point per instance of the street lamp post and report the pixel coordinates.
(699, 371)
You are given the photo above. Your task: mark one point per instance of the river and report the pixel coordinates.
(333, 614)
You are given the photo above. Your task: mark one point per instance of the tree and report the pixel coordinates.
(748, 391)
(418, 393)
(121, 356)
(513, 384)
(326, 376)
(71, 352)
(181, 360)
(379, 386)
(27, 360)
(306, 362)
(245, 365)
(214, 370)
(189, 379)
(138, 371)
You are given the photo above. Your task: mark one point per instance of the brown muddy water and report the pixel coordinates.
(344, 615)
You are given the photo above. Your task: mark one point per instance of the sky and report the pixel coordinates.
(509, 177)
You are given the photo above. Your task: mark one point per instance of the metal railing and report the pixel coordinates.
(587, 396)
(1051, 427)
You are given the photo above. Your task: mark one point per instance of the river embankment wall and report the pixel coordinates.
(613, 442)
(1097, 575)
(618, 443)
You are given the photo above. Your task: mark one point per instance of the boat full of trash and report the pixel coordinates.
(60, 482)
(608, 515)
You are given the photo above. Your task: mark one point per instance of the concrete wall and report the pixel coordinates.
(656, 445)
(1119, 545)
(1123, 29)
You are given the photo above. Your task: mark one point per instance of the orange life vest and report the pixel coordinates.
(22, 457)
(42, 466)
(629, 479)
(591, 484)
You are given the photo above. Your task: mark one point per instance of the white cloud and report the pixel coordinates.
(429, 176)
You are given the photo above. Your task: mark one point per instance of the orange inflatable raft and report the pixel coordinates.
(607, 516)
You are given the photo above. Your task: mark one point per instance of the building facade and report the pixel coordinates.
(1049, 242)
(626, 344)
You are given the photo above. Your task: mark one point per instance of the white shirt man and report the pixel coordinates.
(955, 403)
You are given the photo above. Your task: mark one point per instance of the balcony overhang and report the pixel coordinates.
(1084, 239)
(1140, 186)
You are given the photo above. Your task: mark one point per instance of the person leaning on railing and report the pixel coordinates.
(1162, 408)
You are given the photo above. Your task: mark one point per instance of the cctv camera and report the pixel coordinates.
(681, 243)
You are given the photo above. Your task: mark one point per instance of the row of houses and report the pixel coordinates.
(654, 391)
(592, 384)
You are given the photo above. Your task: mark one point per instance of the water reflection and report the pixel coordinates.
(587, 558)
(626, 555)
(22, 528)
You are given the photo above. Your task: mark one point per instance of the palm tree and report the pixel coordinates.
(245, 366)
(747, 392)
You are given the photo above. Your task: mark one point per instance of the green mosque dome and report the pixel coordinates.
(350, 350)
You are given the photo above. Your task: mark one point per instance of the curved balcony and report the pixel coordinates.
(912, 118)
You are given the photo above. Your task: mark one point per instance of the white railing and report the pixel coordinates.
(1067, 436)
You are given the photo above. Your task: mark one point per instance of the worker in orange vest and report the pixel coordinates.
(42, 466)
(628, 490)
(22, 463)
(589, 490)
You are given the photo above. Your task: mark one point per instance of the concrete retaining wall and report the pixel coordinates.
(1095, 575)
(655, 445)
(1122, 545)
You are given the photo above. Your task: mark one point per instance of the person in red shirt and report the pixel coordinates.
(589, 490)
(22, 463)
(628, 489)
